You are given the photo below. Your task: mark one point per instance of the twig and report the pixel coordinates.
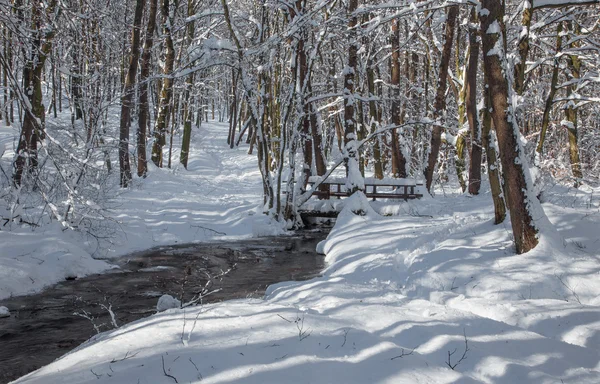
(302, 334)
(113, 319)
(289, 321)
(345, 336)
(463, 357)
(95, 374)
(165, 371)
(189, 336)
(195, 366)
(209, 229)
(402, 354)
(91, 318)
(205, 291)
(21, 221)
(452, 287)
(127, 356)
(568, 287)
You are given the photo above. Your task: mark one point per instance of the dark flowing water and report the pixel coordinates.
(45, 326)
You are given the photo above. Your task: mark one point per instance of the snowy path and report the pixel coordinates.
(217, 196)
(395, 303)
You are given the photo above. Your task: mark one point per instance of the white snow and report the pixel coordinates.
(4, 312)
(167, 302)
(30, 261)
(398, 295)
(494, 28)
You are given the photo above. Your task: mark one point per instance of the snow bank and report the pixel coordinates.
(30, 261)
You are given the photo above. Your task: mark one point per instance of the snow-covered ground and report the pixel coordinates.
(432, 294)
(218, 196)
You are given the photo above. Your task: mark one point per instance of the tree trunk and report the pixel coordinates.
(493, 167)
(317, 140)
(34, 117)
(571, 111)
(398, 158)
(354, 181)
(471, 106)
(144, 109)
(232, 110)
(305, 134)
(550, 99)
(5, 69)
(187, 124)
(521, 200)
(127, 98)
(374, 123)
(166, 93)
(440, 97)
(523, 47)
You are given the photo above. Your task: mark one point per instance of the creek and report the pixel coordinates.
(46, 325)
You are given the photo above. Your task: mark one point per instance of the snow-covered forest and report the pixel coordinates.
(456, 143)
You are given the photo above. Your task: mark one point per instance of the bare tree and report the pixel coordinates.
(440, 97)
(127, 97)
(355, 181)
(166, 93)
(143, 109)
(519, 191)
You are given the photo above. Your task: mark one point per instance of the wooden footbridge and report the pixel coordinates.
(399, 189)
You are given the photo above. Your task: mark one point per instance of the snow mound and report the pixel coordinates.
(167, 302)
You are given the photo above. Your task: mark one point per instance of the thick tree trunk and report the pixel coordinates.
(166, 93)
(144, 109)
(440, 97)
(33, 125)
(521, 200)
(471, 107)
(127, 98)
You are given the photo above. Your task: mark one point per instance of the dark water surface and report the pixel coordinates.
(44, 326)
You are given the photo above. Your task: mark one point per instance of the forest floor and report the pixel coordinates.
(433, 293)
